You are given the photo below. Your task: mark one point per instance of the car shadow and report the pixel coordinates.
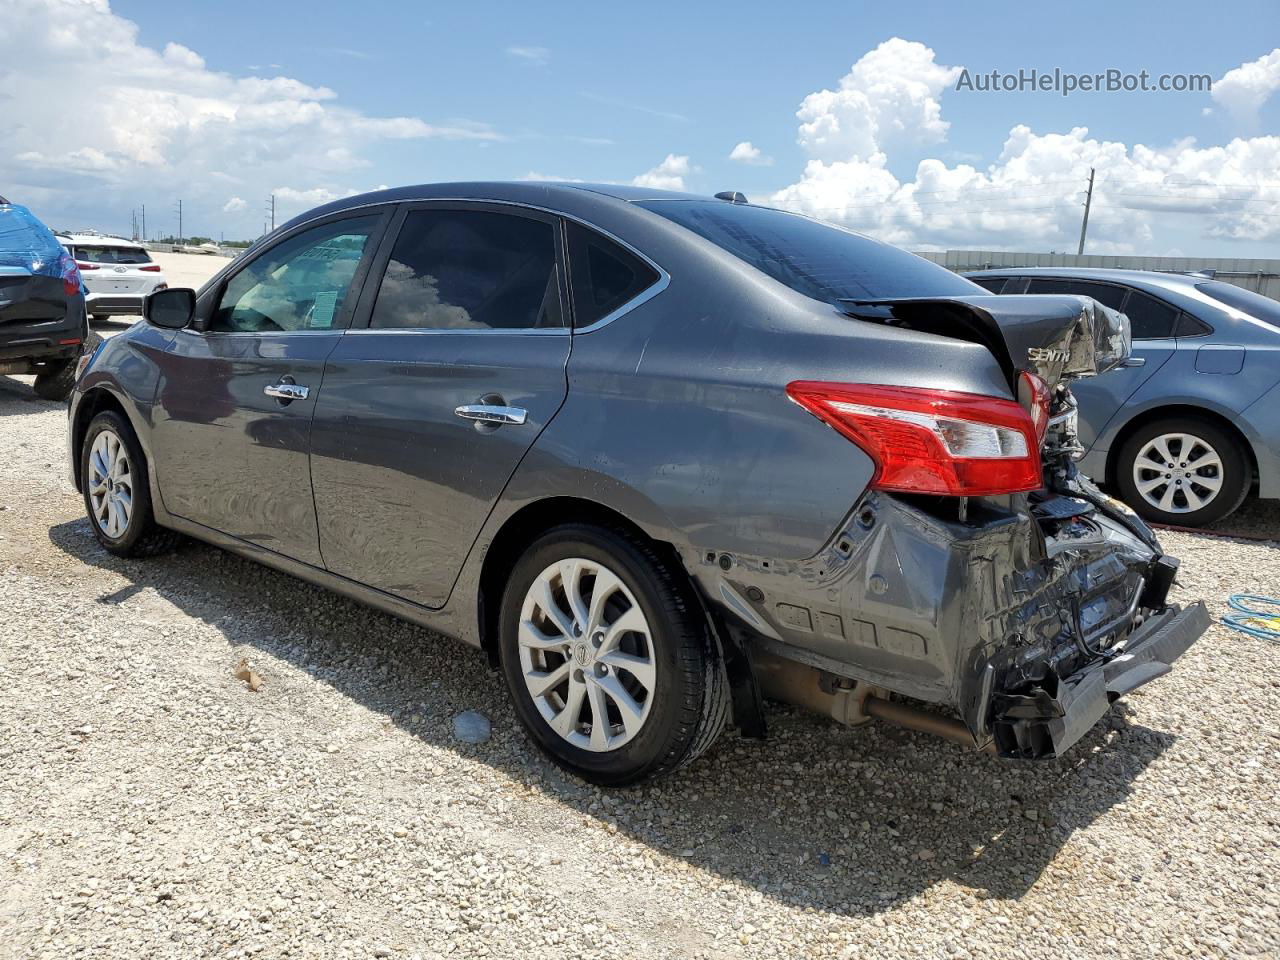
(847, 821)
(17, 399)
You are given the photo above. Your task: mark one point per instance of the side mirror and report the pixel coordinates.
(171, 308)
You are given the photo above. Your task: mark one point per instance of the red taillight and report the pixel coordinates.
(87, 266)
(70, 276)
(931, 441)
(1033, 394)
(151, 268)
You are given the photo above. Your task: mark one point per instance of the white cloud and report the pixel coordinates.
(1031, 196)
(164, 125)
(668, 175)
(1245, 89)
(539, 56)
(749, 153)
(889, 97)
(234, 205)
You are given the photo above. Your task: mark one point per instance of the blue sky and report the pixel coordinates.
(603, 92)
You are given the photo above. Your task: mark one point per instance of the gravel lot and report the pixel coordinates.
(153, 806)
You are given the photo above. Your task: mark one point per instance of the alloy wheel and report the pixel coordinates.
(586, 652)
(1178, 473)
(110, 484)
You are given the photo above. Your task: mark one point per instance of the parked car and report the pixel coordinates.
(653, 452)
(118, 274)
(1191, 422)
(43, 327)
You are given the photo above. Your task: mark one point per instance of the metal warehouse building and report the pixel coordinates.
(1261, 276)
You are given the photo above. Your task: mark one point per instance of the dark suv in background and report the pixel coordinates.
(43, 326)
(1190, 423)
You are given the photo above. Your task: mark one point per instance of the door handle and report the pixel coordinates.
(1134, 362)
(492, 413)
(286, 391)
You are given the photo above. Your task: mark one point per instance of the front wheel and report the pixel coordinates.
(611, 663)
(117, 494)
(1183, 471)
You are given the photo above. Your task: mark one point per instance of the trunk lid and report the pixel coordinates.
(1057, 338)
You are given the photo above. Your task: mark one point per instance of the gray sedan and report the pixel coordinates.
(658, 455)
(1191, 423)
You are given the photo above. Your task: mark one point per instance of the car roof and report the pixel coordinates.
(1135, 278)
(97, 240)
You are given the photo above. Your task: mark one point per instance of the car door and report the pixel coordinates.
(237, 390)
(456, 363)
(1152, 324)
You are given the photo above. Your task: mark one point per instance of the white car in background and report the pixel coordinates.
(117, 273)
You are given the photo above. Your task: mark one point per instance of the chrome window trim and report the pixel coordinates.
(509, 331)
(645, 295)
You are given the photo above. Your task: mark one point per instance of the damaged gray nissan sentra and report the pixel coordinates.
(659, 455)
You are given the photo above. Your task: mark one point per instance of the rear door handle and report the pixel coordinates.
(286, 391)
(1134, 362)
(492, 413)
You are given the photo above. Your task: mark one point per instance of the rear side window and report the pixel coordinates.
(819, 260)
(1149, 318)
(115, 255)
(470, 270)
(992, 284)
(1106, 294)
(605, 275)
(1254, 304)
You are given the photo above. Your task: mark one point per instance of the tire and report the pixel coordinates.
(677, 699)
(127, 529)
(55, 381)
(100, 318)
(1214, 481)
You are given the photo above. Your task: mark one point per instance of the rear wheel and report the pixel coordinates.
(100, 318)
(55, 380)
(610, 661)
(117, 494)
(1183, 471)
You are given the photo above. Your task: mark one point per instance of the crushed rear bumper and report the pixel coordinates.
(1045, 720)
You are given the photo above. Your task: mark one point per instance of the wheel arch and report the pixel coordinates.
(92, 403)
(521, 529)
(1152, 414)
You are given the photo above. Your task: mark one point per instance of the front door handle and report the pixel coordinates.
(286, 391)
(494, 413)
(1134, 362)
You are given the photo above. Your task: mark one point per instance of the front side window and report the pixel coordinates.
(470, 270)
(1107, 294)
(817, 259)
(991, 284)
(302, 283)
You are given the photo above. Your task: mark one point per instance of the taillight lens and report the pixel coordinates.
(70, 276)
(151, 268)
(87, 266)
(931, 441)
(1033, 394)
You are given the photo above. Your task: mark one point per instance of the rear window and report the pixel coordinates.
(1254, 304)
(1106, 294)
(817, 259)
(122, 255)
(992, 284)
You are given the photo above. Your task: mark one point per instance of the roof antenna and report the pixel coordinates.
(733, 196)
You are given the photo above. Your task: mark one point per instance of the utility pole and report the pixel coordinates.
(1088, 202)
(144, 223)
(271, 209)
(179, 223)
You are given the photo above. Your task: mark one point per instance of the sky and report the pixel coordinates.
(866, 114)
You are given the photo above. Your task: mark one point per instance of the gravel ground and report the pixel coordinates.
(153, 806)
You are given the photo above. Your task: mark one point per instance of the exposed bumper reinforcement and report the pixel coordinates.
(1043, 722)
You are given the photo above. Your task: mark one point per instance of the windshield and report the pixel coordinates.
(817, 259)
(1254, 304)
(111, 254)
